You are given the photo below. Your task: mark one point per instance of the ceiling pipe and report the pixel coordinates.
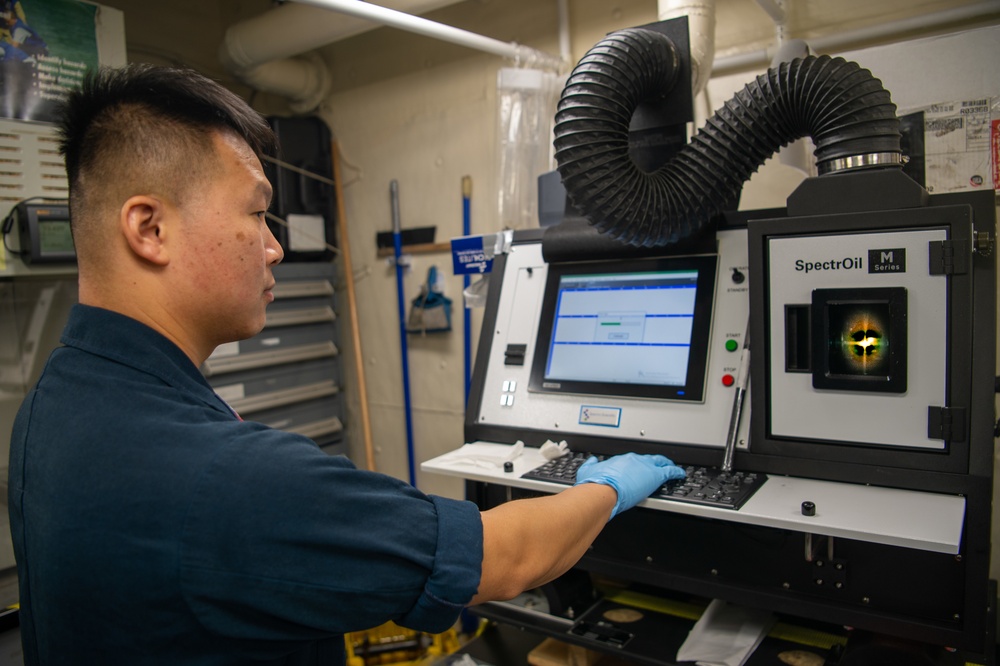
(701, 31)
(522, 55)
(565, 52)
(282, 32)
(304, 80)
(775, 9)
(760, 58)
(261, 51)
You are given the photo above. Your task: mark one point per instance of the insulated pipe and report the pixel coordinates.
(845, 110)
(879, 31)
(775, 9)
(282, 32)
(521, 54)
(701, 33)
(305, 81)
(565, 52)
(882, 31)
(259, 51)
(293, 28)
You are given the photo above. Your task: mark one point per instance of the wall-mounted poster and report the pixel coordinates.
(46, 47)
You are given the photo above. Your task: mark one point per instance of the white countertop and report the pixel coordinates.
(905, 518)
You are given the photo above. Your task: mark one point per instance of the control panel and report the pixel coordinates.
(640, 329)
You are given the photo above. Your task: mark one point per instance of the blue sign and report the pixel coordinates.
(469, 257)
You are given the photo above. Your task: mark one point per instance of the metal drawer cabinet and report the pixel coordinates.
(289, 375)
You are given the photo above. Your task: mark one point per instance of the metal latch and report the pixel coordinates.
(983, 243)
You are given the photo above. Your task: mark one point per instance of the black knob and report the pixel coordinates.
(738, 276)
(808, 509)
(508, 466)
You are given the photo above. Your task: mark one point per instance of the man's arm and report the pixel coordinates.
(527, 543)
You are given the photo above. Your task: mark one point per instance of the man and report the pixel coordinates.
(150, 523)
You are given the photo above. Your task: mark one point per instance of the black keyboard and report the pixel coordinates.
(709, 486)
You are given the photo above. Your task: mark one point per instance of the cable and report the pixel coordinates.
(311, 174)
(304, 172)
(8, 248)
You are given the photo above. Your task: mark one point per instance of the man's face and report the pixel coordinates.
(229, 250)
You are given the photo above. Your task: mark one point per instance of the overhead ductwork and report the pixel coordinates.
(304, 80)
(878, 32)
(701, 34)
(262, 51)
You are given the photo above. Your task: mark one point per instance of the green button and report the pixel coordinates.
(732, 345)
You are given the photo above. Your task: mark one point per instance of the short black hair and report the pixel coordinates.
(183, 96)
(144, 129)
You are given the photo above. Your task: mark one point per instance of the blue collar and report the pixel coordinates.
(124, 340)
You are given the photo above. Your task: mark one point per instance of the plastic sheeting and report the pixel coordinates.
(527, 101)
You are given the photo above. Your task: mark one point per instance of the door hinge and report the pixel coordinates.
(949, 257)
(947, 423)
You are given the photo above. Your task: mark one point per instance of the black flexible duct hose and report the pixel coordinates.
(845, 110)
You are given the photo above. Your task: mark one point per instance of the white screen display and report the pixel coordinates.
(623, 329)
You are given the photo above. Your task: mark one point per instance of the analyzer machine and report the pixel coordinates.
(825, 372)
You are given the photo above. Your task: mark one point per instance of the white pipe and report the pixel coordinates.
(285, 31)
(565, 51)
(517, 52)
(906, 25)
(775, 9)
(259, 50)
(292, 28)
(305, 80)
(760, 58)
(701, 30)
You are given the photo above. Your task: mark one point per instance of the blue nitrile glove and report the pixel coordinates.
(633, 476)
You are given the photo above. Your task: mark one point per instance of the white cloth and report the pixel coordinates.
(725, 635)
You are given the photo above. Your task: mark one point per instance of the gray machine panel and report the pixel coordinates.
(507, 401)
(801, 264)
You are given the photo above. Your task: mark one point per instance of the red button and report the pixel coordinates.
(728, 380)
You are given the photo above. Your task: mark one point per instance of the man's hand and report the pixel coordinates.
(633, 476)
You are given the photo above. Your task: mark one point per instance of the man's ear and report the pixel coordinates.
(143, 224)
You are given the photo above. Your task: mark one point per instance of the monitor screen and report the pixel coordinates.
(44, 231)
(638, 328)
(54, 236)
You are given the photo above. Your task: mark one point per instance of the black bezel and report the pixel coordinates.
(828, 378)
(694, 386)
(30, 216)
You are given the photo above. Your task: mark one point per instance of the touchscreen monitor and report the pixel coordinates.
(626, 328)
